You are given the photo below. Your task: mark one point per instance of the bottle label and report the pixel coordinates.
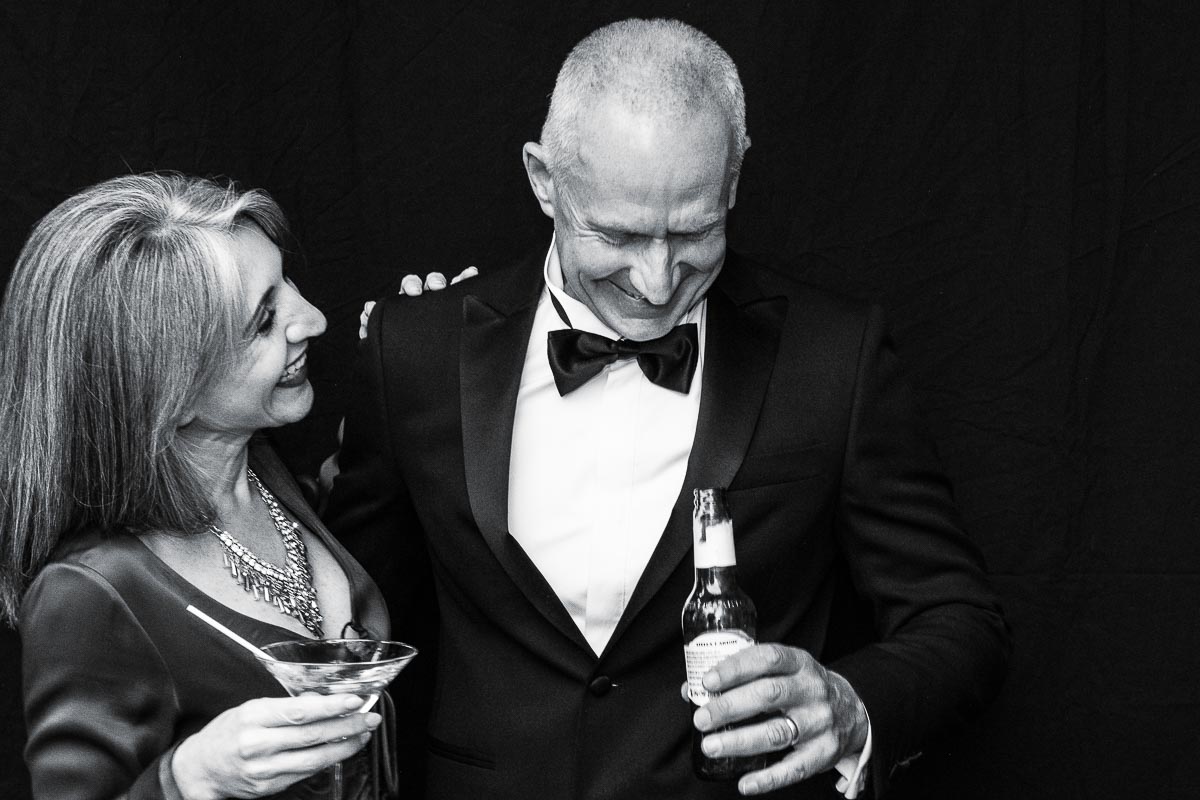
(705, 652)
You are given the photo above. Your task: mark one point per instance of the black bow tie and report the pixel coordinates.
(668, 361)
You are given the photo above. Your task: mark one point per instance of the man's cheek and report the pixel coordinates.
(599, 263)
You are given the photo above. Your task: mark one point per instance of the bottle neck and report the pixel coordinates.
(717, 580)
(713, 544)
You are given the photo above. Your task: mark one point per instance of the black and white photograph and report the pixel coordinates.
(599, 400)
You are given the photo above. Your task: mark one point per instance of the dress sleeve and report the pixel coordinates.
(100, 704)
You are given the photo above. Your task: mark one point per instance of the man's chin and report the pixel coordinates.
(643, 330)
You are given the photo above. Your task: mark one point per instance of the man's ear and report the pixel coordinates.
(733, 183)
(539, 177)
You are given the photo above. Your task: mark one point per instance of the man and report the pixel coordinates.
(537, 479)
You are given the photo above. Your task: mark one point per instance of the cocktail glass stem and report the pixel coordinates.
(335, 781)
(337, 775)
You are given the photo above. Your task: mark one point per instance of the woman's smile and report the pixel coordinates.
(296, 373)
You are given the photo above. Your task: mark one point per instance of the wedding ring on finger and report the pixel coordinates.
(794, 739)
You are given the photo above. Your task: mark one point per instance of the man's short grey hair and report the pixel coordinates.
(657, 66)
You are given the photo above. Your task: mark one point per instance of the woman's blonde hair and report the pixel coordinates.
(122, 306)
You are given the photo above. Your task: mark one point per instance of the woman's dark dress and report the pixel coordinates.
(117, 672)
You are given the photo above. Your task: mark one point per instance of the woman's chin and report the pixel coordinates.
(292, 403)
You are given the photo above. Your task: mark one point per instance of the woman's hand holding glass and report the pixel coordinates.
(263, 746)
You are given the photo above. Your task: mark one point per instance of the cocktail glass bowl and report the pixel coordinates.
(337, 666)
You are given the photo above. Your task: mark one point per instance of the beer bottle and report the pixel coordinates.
(718, 620)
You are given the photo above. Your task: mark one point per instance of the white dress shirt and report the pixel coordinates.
(593, 476)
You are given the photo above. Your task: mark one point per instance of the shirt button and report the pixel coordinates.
(600, 686)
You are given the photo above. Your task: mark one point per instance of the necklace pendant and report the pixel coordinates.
(289, 588)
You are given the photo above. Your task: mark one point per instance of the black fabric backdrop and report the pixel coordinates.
(1016, 182)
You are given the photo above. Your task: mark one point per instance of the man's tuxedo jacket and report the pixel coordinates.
(847, 540)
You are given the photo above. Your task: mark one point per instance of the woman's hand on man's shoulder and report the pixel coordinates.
(413, 286)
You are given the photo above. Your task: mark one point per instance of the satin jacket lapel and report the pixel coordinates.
(492, 358)
(741, 343)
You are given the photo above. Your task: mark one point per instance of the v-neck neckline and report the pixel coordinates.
(227, 614)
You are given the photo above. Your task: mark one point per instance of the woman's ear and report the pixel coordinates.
(186, 419)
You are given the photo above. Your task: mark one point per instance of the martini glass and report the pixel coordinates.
(337, 666)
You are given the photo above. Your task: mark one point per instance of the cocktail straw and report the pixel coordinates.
(239, 640)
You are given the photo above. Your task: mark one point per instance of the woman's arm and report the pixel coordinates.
(100, 704)
(102, 710)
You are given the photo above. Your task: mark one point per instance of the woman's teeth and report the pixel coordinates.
(294, 368)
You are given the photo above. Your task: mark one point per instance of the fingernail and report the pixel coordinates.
(373, 720)
(352, 701)
(711, 746)
(711, 681)
(702, 719)
(748, 786)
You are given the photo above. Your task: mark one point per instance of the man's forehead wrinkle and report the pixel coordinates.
(647, 220)
(614, 205)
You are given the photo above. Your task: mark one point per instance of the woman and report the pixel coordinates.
(149, 332)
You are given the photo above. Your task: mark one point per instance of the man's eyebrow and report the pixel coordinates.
(703, 226)
(267, 298)
(617, 228)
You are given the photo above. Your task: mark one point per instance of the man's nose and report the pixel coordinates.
(652, 275)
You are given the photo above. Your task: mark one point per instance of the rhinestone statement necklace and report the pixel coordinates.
(290, 589)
